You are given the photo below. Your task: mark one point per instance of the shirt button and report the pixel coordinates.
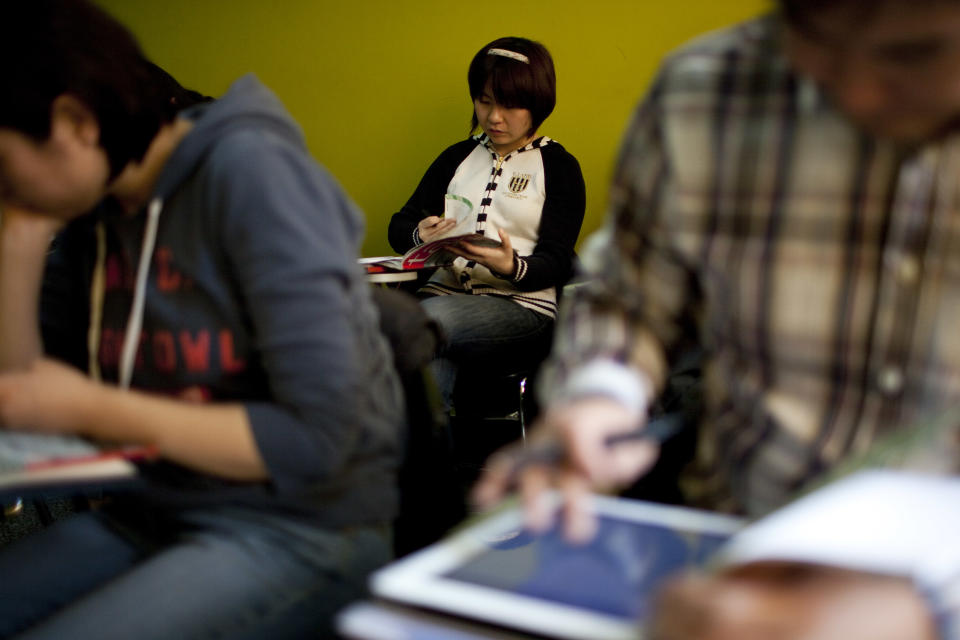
(908, 269)
(890, 379)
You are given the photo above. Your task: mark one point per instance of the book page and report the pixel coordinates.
(34, 459)
(457, 207)
(379, 264)
(435, 254)
(873, 521)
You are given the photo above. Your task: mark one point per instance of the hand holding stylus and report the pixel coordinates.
(589, 443)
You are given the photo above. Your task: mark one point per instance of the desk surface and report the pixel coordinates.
(378, 620)
(391, 276)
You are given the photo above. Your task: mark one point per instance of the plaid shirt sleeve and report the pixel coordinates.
(628, 312)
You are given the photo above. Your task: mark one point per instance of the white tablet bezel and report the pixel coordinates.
(418, 579)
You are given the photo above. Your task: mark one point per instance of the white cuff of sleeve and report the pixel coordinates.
(937, 580)
(617, 381)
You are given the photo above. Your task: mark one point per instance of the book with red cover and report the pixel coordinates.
(434, 253)
(36, 462)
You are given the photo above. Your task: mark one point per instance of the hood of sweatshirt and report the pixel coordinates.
(247, 104)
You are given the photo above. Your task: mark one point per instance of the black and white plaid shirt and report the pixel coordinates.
(818, 267)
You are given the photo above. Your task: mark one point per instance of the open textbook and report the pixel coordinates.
(35, 461)
(436, 252)
(878, 521)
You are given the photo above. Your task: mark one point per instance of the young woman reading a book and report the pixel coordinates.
(222, 319)
(522, 188)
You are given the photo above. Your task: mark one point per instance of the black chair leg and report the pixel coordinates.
(523, 411)
(43, 512)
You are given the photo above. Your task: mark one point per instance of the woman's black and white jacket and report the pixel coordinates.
(536, 194)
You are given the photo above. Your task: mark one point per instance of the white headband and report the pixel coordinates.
(506, 53)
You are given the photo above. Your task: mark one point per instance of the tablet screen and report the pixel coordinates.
(493, 571)
(616, 574)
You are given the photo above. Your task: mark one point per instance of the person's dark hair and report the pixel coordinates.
(798, 12)
(55, 47)
(176, 96)
(515, 84)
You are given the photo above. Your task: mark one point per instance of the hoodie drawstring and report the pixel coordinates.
(131, 337)
(96, 304)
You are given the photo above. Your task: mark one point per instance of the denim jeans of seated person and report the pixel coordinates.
(476, 329)
(231, 574)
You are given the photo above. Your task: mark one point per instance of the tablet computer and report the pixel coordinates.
(495, 572)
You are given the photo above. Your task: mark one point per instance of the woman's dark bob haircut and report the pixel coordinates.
(55, 47)
(514, 83)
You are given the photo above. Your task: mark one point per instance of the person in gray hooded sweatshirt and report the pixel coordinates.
(214, 299)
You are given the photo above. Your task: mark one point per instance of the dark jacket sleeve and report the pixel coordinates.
(428, 198)
(551, 263)
(291, 237)
(64, 296)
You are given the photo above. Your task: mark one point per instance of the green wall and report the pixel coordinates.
(379, 86)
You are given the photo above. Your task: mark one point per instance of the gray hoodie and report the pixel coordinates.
(252, 293)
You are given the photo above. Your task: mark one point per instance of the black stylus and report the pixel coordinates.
(657, 430)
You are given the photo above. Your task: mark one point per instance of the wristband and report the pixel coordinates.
(621, 383)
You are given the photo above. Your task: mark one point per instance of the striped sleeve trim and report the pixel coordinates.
(518, 271)
(521, 268)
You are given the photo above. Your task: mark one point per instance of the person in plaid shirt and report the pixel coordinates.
(786, 199)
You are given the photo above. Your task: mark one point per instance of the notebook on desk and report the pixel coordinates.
(496, 573)
(41, 462)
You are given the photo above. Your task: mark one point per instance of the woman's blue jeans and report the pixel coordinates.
(478, 328)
